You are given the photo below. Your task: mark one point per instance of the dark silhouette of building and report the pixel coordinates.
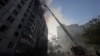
(23, 30)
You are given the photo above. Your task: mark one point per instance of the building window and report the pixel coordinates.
(16, 34)
(3, 28)
(0, 40)
(31, 20)
(0, 6)
(33, 16)
(15, 12)
(29, 6)
(25, 15)
(3, 2)
(20, 26)
(25, 0)
(27, 10)
(30, 3)
(10, 45)
(23, 19)
(10, 19)
(22, 2)
(19, 6)
(32, 0)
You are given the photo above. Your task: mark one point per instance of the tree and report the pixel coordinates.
(92, 33)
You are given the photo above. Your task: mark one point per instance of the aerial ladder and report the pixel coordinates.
(77, 49)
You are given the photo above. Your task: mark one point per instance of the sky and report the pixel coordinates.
(78, 11)
(71, 12)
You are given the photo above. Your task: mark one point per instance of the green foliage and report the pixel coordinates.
(92, 33)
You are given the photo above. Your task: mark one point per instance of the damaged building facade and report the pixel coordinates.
(22, 27)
